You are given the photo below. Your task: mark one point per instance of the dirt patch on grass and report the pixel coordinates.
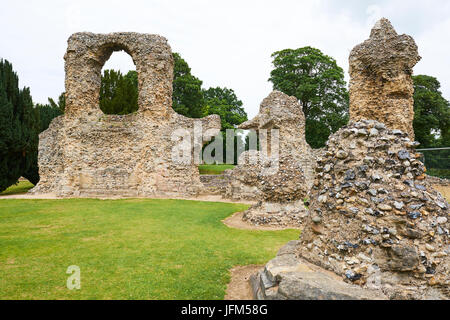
(444, 190)
(239, 287)
(235, 221)
(52, 196)
(25, 195)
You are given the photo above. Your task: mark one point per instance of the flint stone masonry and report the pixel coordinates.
(381, 87)
(376, 228)
(280, 192)
(375, 220)
(87, 153)
(214, 184)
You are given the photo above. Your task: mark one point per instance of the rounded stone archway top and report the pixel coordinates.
(87, 53)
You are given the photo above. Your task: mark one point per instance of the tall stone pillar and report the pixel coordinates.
(381, 87)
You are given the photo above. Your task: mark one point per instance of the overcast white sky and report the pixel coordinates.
(226, 43)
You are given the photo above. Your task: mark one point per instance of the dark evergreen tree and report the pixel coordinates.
(19, 127)
(46, 113)
(61, 105)
(118, 93)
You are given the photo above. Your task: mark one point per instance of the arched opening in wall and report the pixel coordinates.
(119, 85)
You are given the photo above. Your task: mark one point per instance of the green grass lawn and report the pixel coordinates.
(126, 249)
(20, 187)
(214, 168)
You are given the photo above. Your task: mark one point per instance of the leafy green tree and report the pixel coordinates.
(224, 102)
(318, 83)
(432, 124)
(19, 127)
(118, 93)
(187, 98)
(431, 113)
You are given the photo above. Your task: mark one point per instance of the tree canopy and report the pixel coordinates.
(118, 93)
(187, 98)
(431, 113)
(318, 83)
(19, 127)
(224, 102)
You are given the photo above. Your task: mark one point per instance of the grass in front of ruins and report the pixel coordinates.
(214, 168)
(21, 187)
(126, 249)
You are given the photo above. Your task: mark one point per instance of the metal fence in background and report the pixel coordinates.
(437, 161)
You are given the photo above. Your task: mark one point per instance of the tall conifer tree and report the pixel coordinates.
(19, 127)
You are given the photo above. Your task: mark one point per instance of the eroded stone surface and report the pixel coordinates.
(214, 184)
(278, 179)
(381, 87)
(87, 153)
(374, 218)
(287, 277)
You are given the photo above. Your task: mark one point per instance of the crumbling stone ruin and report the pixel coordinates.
(87, 153)
(214, 184)
(280, 193)
(381, 87)
(375, 221)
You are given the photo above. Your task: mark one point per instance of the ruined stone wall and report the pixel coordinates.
(214, 184)
(87, 153)
(381, 87)
(374, 218)
(277, 111)
(280, 191)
